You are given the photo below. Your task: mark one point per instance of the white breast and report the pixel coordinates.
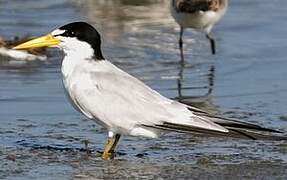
(202, 20)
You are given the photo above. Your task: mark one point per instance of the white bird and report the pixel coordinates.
(120, 102)
(21, 56)
(200, 15)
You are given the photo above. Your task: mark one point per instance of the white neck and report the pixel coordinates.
(76, 53)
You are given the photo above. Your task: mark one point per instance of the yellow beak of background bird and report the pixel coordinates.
(43, 41)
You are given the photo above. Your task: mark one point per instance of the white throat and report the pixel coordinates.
(76, 52)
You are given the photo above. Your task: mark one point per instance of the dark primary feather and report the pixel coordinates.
(192, 6)
(226, 122)
(230, 123)
(237, 129)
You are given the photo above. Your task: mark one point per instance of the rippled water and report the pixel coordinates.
(42, 137)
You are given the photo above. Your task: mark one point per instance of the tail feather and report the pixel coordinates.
(236, 129)
(243, 131)
(231, 123)
(255, 135)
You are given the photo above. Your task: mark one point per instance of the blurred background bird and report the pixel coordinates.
(200, 15)
(6, 51)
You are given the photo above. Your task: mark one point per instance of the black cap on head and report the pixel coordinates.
(84, 32)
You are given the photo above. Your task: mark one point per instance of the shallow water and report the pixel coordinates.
(42, 137)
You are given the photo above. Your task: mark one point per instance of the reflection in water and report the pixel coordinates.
(201, 101)
(211, 79)
(179, 81)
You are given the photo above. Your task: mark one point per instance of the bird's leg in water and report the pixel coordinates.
(212, 43)
(109, 152)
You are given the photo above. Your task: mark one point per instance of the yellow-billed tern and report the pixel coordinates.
(122, 103)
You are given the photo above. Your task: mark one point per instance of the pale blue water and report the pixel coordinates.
(41, 136)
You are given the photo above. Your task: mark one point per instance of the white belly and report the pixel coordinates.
(202, 21)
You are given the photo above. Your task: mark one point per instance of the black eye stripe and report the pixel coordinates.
(68, 34)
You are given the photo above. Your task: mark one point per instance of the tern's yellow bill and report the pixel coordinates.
(43, 41)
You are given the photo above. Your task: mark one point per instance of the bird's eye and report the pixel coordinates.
(69, 33)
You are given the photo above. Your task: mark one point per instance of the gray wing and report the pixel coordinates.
(121, 100)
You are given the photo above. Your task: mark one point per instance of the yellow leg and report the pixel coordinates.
(109, 152)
